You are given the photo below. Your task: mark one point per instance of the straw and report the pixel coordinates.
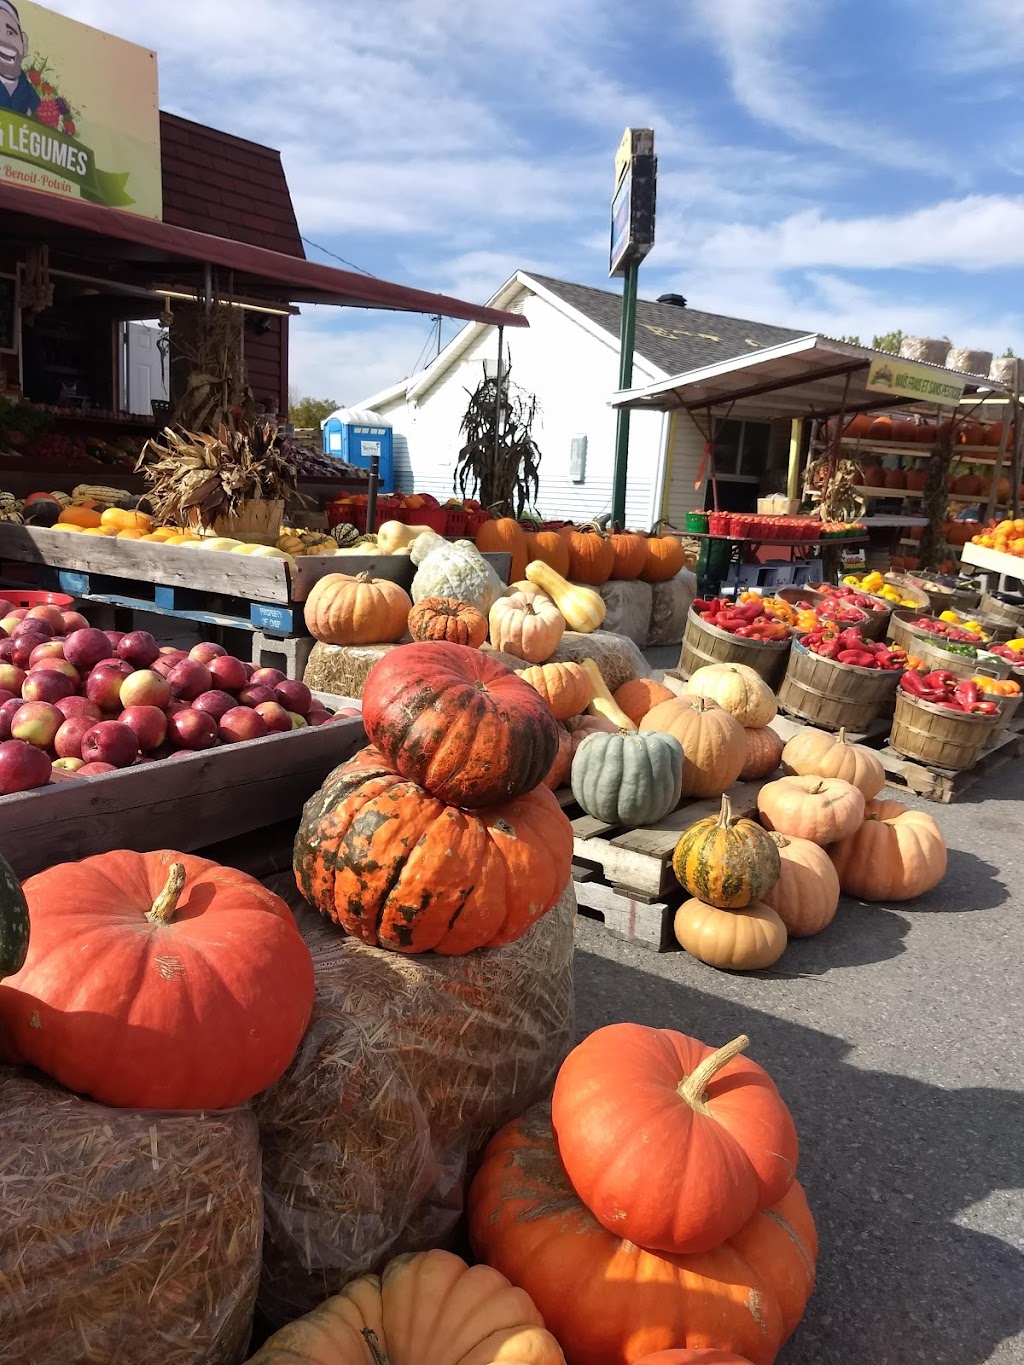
(409, 1066)
(618, 658)
(125, 1236)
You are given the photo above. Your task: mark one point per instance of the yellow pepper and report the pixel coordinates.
(954, 619)
(1017, 645)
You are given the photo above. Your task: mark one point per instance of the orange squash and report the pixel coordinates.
(85, 517)
(822, 809)
(504, 535)
(714, 744)
(806, 895)
(630, 554)
(894, 855)
(341, 610)
(566, 688)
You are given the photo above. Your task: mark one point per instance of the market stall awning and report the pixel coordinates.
(157, 254)
(813, 376)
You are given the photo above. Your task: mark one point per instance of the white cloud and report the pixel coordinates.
(987, 35)
(349, 355)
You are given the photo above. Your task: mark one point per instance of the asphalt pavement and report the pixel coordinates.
(897, 1038)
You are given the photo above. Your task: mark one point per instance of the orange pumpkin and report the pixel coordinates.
(764, 753)
(341, 610)
(591, 556)
(814, 753)
(822, 809)
(609, 1300)
(565, 687)
(894, 855)
(630, 554)
(640, 695)
(558, 776)
(917, 479)
(697, 1357)
(859, 425)
(504, 535)
(895, 478)
(551, 548)
(714, 744)
(806, 895)
(881, 429)
(448, 619)
(872, 475)
(970, 434)
(665, 558)
(85, 517)
(526, 627)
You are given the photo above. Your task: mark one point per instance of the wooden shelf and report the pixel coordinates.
(974, 454)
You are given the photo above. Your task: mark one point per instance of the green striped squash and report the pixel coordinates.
(13, 923)
(726, 863)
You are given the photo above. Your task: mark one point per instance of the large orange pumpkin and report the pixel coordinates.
(764, 752)
(814, 753)
(565, 687)
(448, 620)
(591, 556)
(504, 536)
(630, 554)
(665, 558)
(714, 743)
(562, 766)
(822, 809)
(895, 855)
(458, 723)
(399, 869)
(606, 1299)
(640, 695)
(551, 548)
(806, 895)
(341, 610)
(668, 1142)
(158, 981)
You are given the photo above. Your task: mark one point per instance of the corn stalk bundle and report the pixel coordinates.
(935, 501)
(836, 479)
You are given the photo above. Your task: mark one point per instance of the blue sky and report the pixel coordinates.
(850, 165)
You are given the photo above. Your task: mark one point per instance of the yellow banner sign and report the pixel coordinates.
(904, 379)
(79, 114)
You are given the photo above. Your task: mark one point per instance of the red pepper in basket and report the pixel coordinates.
(940, 678)
(966, 693)
(860, 658)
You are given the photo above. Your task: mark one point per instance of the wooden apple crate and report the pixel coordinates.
(187, 802)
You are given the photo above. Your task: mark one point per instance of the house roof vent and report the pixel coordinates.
(675, 300)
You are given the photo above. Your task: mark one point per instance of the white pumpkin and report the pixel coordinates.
(738, 689)
(453, 569)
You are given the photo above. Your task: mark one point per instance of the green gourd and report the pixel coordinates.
(626, 778)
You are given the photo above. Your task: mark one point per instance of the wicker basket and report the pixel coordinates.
(992, 609)
(257, 522)
(902, 633)
(937, 736)
(705, 644)
(832, 695)
(873, 626)
(947, 599)
(1008, 708)
(911, 590)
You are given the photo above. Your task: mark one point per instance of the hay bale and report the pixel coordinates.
(343, 669)
(929, 349)
(629, 609)
(1008, 370)
(670, 608)
(409, 1066)
(618, 658)
(125, 1236)
(970, 362)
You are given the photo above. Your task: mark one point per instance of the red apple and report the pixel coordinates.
(192, 729)
(228, 673)
(53, 616)
(241, 723)
(73, 620)
(43, 684)
(164, 666)
(49, 649)
(298, 722)
(139, 648)
(215, 703)
(7, 711)
(294, 696)
(30, 627)
(254, 694)
(174, 707)
(85, 648)
(6, 650)
(5, 607)
(79, 706)
(12, 678)
(103, 686)
(168, 650)
(37, 722)
(51, 665)
(95, 769)
(274, 714)
(267, 677)
(145, 688)
(114, 638)
(6, 696)
(68, 739)
(250, 669)
(67, 765)
(110, 742)
(189, 680)
(19, 613)
(12, 621)
(205, 652)
(22, 767)
(318, 717)
(21, 654)
(149, 724)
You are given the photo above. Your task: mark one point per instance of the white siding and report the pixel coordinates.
(681, 472)
(573, 375)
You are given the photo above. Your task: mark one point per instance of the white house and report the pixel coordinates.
(569, 358)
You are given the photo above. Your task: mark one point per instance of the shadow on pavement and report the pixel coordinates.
(888, 1162)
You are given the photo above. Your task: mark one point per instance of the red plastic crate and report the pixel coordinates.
(19, 598)
(474, 520)
(457, 522)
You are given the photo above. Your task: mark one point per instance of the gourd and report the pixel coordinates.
(640, 695)
(603, 703)
(584, 610)
(445, 619)
(668, 1142)
(14, 925)
(738, 690)
(85, 517)
(121, 519)
(504, 536)
(453, 569)
(822, 809)
(397, 535)
(458, 723)
(714, 743)
(806, 895)
(724, 862)
(764, 752)
(401, 869)
(341, 610)
(158, 981)
(527, 628)
(591, 555)
(628, 779)
(630, 550)
(894, 855)
(734, 940)
(665, 558)
(566, 688)
(815, 753)
(613, 1302)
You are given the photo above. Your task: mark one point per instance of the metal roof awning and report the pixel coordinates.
(813, 376)
(149, 254)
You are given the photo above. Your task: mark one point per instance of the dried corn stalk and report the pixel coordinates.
(195, 479)
(208, 352)
(836, 483)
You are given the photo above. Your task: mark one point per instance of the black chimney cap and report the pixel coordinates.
(676, 300)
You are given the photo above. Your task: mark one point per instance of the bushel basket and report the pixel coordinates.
(706, 644)
(937, 736)
(832, 695)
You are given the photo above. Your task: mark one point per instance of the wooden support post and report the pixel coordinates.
(795, 444)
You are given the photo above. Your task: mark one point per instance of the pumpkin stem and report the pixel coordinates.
(365, 577)
(725, 814)
(373, 1346)
(167, 902)
(692, 1089)
(841, 739)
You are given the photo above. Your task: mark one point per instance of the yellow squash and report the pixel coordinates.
(584, 610)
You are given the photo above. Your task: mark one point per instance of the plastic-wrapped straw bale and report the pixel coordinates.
(628, 605)
(970, 362)
(930, 349)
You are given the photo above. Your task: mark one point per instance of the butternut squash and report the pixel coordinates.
(584, 610)
(604, 704)
(396, 535)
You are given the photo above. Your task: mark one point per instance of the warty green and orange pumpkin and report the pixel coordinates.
(608, 1301)
(725, 862)
(448, 621)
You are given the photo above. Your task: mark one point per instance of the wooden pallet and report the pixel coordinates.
(786, 727)
(942, 784)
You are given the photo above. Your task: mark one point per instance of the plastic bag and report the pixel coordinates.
(127, 1238)
(409, 1066)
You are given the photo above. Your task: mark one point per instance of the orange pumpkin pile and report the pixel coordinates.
(662, 1181)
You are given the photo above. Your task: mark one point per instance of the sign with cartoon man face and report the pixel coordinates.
(79, 114)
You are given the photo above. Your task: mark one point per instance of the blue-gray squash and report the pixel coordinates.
(626, 778)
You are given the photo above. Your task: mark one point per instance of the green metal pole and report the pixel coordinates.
(627, 341)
